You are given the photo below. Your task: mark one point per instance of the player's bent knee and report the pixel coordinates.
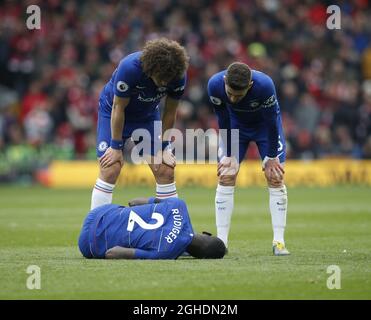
(111, 173)
(227, 180)
(164, 174)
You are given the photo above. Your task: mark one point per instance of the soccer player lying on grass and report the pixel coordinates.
(245, 99)
(148, 229)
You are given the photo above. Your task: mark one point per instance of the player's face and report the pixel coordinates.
(236, 95)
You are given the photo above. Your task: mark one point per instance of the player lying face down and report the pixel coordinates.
(148, 228)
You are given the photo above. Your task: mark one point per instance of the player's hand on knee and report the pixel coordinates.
(110, 157)
(228, 166)
(168, 158)
(273, 170)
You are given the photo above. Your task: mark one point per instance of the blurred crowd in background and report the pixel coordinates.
(50, 79)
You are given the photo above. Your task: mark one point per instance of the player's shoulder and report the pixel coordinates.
(217, 80)
(128, 73)
(264, 88)
(261, 80)
(133, 57)
(215, 88)
(132, 62)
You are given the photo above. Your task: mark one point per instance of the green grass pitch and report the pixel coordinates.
(325, 226)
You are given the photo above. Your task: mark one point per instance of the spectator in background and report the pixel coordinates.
(363, 128)
(32, 99)
(38, 124)
(81, 114)
(307, 113)
(344, 144)
(290, 97)
(367, 149)
(323, 143)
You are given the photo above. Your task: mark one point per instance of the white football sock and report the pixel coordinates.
(278, 208)
(164, 191)
(223, 211)
(102, 194)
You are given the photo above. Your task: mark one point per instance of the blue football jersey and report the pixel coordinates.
(129, 81)
(156, 230)
(258, 108)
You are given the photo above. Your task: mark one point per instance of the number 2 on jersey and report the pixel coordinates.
(133, 217)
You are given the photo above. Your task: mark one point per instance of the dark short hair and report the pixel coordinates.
(206, 246)
(238, 76)
(165, 58)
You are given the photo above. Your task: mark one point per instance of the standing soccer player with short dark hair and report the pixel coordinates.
(245, 99)
(130, 101)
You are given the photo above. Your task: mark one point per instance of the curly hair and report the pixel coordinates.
(164, 58)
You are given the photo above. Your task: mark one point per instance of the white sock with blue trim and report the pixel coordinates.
(224, 201)
(164, 191)
(102, 194)
(278, 208)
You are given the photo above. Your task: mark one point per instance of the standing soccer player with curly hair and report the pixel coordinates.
(130, 101)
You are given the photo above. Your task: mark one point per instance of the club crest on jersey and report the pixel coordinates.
(161, 89)
(271, 101)
(102, 146)
(122, 86)
(215, 100)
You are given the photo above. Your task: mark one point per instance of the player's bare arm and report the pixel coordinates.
(114, 154)
(120, 253)
(228, 166)
(141, 201)
(228, 163)
(168, 120)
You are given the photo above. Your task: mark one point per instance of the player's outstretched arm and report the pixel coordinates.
(142, 200)
(120, 253)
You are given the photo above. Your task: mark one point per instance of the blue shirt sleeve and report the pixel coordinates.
(270, 114)
(221, 112)
(176, 88)
(126, 76)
